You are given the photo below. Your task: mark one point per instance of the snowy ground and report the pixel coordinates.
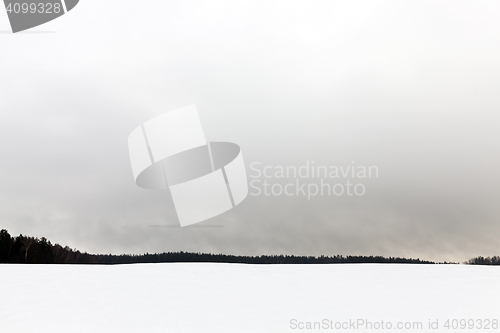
(244, 298)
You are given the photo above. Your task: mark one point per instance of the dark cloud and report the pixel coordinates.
(411, 90)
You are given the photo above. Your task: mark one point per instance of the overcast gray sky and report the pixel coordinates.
(411, 87)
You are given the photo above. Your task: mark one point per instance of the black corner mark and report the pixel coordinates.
(70, 4)
(26, 14)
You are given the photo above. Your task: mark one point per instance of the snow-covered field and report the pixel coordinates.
(245, 298)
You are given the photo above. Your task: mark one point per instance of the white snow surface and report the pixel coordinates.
(209, 297)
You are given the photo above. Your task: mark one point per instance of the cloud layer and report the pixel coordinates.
(409, 87)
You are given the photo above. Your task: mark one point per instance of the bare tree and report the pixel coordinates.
(27, 241)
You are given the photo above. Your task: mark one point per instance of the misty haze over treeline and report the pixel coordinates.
(31, 250)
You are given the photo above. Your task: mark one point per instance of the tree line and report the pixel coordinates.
(495, 260)
(30, 250)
